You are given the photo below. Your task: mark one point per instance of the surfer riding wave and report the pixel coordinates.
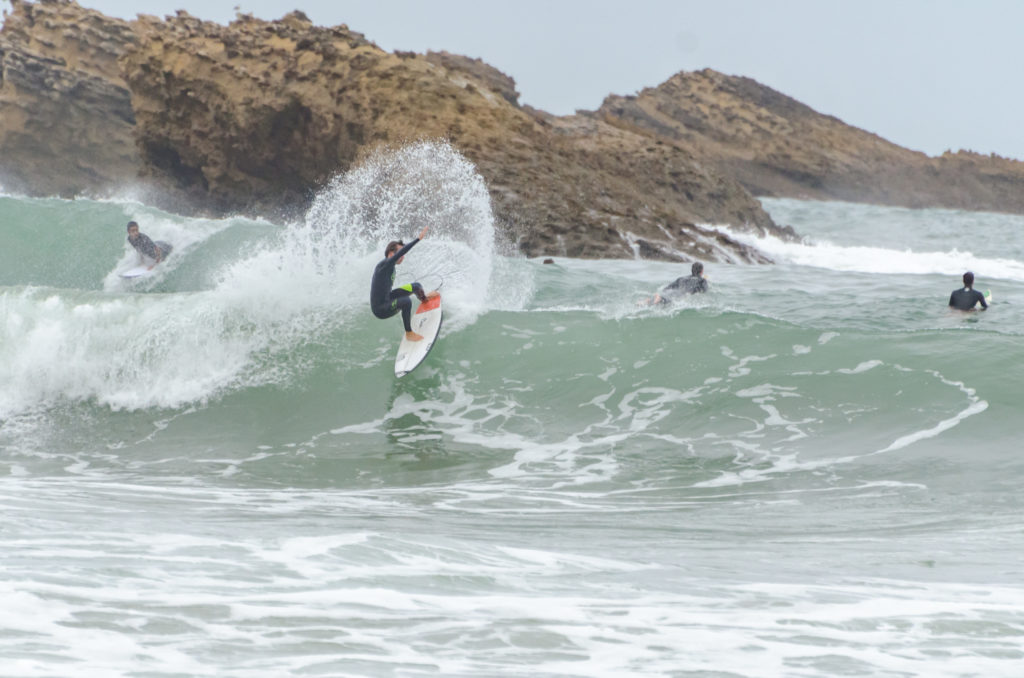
(386, 301)
(156, 251)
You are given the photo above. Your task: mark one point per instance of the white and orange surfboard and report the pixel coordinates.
(426, 321)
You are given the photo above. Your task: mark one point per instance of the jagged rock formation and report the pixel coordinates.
(66, 121)
(254, 116)
(496, 81)
(776, 146)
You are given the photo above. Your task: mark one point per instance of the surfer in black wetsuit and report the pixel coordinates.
(694, 283)
(966, 297)
(146, 247)
(385, 301)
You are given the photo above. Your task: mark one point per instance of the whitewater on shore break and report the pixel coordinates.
(812, 470)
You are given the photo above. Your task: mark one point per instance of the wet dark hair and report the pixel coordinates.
(968, 279)
(697, 268)
(130, 224)
(392, 247)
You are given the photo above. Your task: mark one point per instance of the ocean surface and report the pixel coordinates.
(814, 470)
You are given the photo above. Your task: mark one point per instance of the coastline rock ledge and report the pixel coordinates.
(253, 117)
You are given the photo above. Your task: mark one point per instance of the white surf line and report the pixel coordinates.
(977, 406)
(824, 254)
(945, 425)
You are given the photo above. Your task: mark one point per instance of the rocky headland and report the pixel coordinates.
(255, 116)
(777, 146)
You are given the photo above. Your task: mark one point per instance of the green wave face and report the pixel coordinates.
(214, 471)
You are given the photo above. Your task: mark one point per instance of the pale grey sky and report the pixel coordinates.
(926, 74)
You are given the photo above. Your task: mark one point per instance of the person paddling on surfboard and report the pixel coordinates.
(385, 301)
(966, 297)
(688, 284)
(146, 247)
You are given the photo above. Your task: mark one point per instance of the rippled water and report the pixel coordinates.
(813, 470)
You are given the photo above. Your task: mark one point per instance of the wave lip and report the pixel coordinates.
(261, 293)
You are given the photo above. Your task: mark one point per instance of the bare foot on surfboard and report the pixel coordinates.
(412, 336)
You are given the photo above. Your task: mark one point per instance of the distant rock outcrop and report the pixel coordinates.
(776, 146)
(256, 116)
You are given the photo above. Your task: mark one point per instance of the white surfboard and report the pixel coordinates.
(426, 321)
(137, 272)
(143, 270)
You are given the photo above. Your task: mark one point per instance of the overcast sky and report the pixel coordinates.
(930, 75)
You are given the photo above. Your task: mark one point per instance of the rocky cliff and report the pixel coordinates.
(66, 121)
(255, 116)
(776, 146)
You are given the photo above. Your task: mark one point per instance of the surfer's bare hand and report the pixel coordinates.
(433, 295)
(423, 233)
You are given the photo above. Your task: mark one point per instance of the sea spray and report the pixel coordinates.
(393, 195)
(278, 293)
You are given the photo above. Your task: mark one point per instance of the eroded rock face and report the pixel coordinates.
(495, 80)
(66, 121)
(255, 116)
(776, 146)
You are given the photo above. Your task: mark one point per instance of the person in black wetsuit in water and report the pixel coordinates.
(385, 301)
(157, 251)
(966, 297)
(688, 284)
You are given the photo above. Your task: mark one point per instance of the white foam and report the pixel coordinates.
(821, 253)
(903, 441)
(141, 351)
(862, 367)
(126, 352)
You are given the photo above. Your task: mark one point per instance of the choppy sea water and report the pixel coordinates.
(813, 470)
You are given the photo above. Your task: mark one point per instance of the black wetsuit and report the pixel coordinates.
(689, 284)
(965, 298)
(386, 302)
(143, 245)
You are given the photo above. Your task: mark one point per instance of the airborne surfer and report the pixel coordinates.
(385, 301)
